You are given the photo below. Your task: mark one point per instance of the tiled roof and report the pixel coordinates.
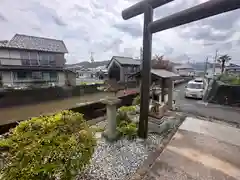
(20, 41)
(163, 73)
(3, 43)
(127, 60)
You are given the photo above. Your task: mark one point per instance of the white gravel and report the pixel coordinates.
(119, 160)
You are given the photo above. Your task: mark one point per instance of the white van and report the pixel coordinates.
(195, 88)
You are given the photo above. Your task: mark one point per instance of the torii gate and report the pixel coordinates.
(204, 10)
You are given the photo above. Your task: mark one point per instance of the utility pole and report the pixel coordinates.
(91, 57)
(92, 61)
(215, 60)
(206, 64)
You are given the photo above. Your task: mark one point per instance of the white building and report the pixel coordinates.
(184, 70)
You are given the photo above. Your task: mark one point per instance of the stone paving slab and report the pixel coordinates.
(216, 130)
(198, 152)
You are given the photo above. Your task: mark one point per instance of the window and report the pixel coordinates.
(25, 62)
(20, 75)
(53, 76)
(46, 76)
(34, 62)
(43, 59)
(52, 60)
(25, 58)
(195, 86)
(34, 59)
(37, 75)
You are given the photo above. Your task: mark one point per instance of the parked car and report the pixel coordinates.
(195, 88)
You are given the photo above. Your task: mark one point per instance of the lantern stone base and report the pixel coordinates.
(111, 131)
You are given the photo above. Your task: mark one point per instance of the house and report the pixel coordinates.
(233, 68)
(102, 72)
(28, 60)
(184, 70)
(81, 72)
(120, 68)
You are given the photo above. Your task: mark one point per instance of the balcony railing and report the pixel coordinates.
(29, 80)
(30, 62)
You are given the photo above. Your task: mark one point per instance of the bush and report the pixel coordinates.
(124, 112)
(230, 79)
(128, 129)
(83, 83)
(136, 100)
(125, 126)
(48, 147)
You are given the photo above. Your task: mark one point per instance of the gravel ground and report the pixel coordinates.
(121, 159)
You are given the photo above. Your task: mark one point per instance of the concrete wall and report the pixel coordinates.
(60, 60)
(30, 96)
(71, 77)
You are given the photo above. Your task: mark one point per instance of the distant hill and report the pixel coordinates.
(200, 66)
(86, 64)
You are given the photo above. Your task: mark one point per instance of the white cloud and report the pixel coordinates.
(97, 26)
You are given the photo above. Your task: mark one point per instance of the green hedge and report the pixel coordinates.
(48, 147)
(230, 79)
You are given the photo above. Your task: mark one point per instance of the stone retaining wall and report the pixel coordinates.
(30, 96)
(220, 93)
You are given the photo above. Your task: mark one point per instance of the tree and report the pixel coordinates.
(223, 59)
(158, 62)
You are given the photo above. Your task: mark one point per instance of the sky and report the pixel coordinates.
(97, 26)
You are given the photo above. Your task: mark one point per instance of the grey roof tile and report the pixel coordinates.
(3, 43)
(163, 73)
(127, 60)
(20, 41)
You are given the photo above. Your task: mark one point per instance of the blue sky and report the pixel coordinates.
(97, 26)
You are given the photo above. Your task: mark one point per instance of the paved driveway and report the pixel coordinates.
(200, 108)
(200, 150)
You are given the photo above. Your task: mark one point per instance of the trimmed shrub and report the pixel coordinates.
(48, 147)
(125, 126)
(128, 130)
(136, 100)
(124, 112)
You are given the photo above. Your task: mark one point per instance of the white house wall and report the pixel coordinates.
(184, 72)
(61, 78)
(7, 78)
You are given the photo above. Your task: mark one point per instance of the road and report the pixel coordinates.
(198, 107)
